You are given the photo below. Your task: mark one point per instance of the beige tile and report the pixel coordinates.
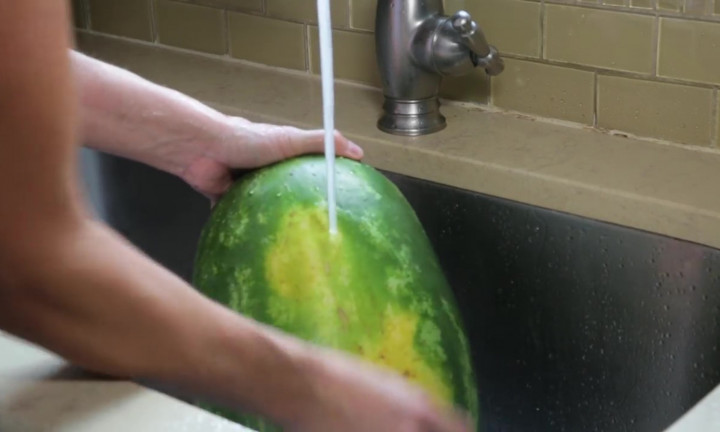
(642, 4)
(717, 7)
(545, 90)
(690, 50)
(667, 111)
(513, 26)
(266, 40)
(236, 5)
(697, 7)
(614, 40)
(717, 118)
(353, 54)
(670, 5)
(130, 18)
(79, 13)
(474, 87)
(452, 6)
(362, 14)
(306, 11)
(192, 27)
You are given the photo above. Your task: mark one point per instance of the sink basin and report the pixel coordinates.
(575, 324)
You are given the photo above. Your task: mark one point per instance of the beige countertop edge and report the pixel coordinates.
(41, 392)
(657, 187)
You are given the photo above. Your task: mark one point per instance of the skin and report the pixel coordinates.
(72, 285)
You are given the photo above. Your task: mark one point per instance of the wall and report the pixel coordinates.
(645, 67)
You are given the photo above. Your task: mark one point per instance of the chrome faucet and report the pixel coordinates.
(417, 45)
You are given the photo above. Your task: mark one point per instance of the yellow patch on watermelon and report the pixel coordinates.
(307, 269)
(304, 267)
(395, 349)
(298, 264)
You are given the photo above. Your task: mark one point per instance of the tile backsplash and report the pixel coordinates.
(645, 67)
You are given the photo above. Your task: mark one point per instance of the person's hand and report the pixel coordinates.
(250, 145)
(352, 396)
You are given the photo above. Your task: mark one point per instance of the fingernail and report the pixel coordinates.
(355, 150)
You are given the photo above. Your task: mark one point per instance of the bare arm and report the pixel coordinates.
(72, 285)
(127, 115)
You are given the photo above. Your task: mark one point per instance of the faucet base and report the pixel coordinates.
(411, 117)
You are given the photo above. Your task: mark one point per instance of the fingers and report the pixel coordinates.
(208, 177)
(347, 148)
(313, 141)
(252, 145)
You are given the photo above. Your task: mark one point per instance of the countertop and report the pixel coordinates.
(40, 392)
(659, 187)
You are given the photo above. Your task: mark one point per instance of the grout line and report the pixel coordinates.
(154, 33)
(646, 12)
(596, 100)
(491, 93)
(612, 72)
(583, 126)
(543, 38)
(715, 133)
(350, 23)
(264, 7)
(228, 49)
(313, 23)
(348, 14)
(211, 56)
(86, 13)
(306, 47)
(656, 46)
(89, 15)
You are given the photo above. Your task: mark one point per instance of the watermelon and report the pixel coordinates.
(374, 289)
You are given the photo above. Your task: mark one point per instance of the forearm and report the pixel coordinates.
(124, 114)
(97, 301)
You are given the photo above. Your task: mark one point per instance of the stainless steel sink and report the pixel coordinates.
(575, 325)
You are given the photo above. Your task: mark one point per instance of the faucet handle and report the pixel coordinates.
(483, 54)
(464, 24)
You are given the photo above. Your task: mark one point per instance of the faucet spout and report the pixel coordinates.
(416, 46)
(483, 54)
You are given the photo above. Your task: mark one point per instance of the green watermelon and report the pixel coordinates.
(374, 289)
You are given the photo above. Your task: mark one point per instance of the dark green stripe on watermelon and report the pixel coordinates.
(375, 289)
